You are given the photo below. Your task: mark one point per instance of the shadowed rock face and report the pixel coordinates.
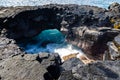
(33, 20)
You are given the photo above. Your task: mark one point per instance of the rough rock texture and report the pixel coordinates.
(69, 64)
(108, 70)
(21, 69)
(19, 20)
(30, 67)
(8, 48)
(114, 12)
(98, 71)
(93, 41)
(117, 40)
(114, 48)
(67, 75)
(16, 65)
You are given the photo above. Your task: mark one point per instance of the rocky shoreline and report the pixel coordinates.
(95, 30)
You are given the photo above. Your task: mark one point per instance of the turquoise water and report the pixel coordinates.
(100, 3)
(50, 36)
(54, 42)
(39, 43)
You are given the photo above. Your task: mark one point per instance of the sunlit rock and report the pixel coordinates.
(113, 50)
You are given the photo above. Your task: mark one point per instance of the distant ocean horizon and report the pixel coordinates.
(99, 3)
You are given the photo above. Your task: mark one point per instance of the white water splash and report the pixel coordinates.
(63, 49)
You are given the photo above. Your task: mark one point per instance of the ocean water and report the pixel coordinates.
(100, 3)
(51, 41)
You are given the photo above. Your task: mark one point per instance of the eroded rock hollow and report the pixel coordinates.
(88, 27)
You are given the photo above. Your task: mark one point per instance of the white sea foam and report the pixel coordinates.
(100, 3)
(63, 49)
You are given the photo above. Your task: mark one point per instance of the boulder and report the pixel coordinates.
(69, 64)
(114, 7)
(9, 48)
(114, 48)
(52, 64)
(93, 41)
(113, 51)
(117, 40)
(107, 70)
(30, 67)
(15, 68)
(67, 75)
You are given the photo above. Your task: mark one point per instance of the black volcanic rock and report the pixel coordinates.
(17, 68)
(108, 70)
(19, 20)
(117, 40)
(67, 75)
(115, 7)
(69, 64)
(9, 48)
(114, 48)
(93, 41)
(30, 66)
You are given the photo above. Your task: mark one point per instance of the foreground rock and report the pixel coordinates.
(21, 69)
(69, 64)
(114, 48)
(108, 70)
(30, 67)
(16, 65)
(8, 48)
